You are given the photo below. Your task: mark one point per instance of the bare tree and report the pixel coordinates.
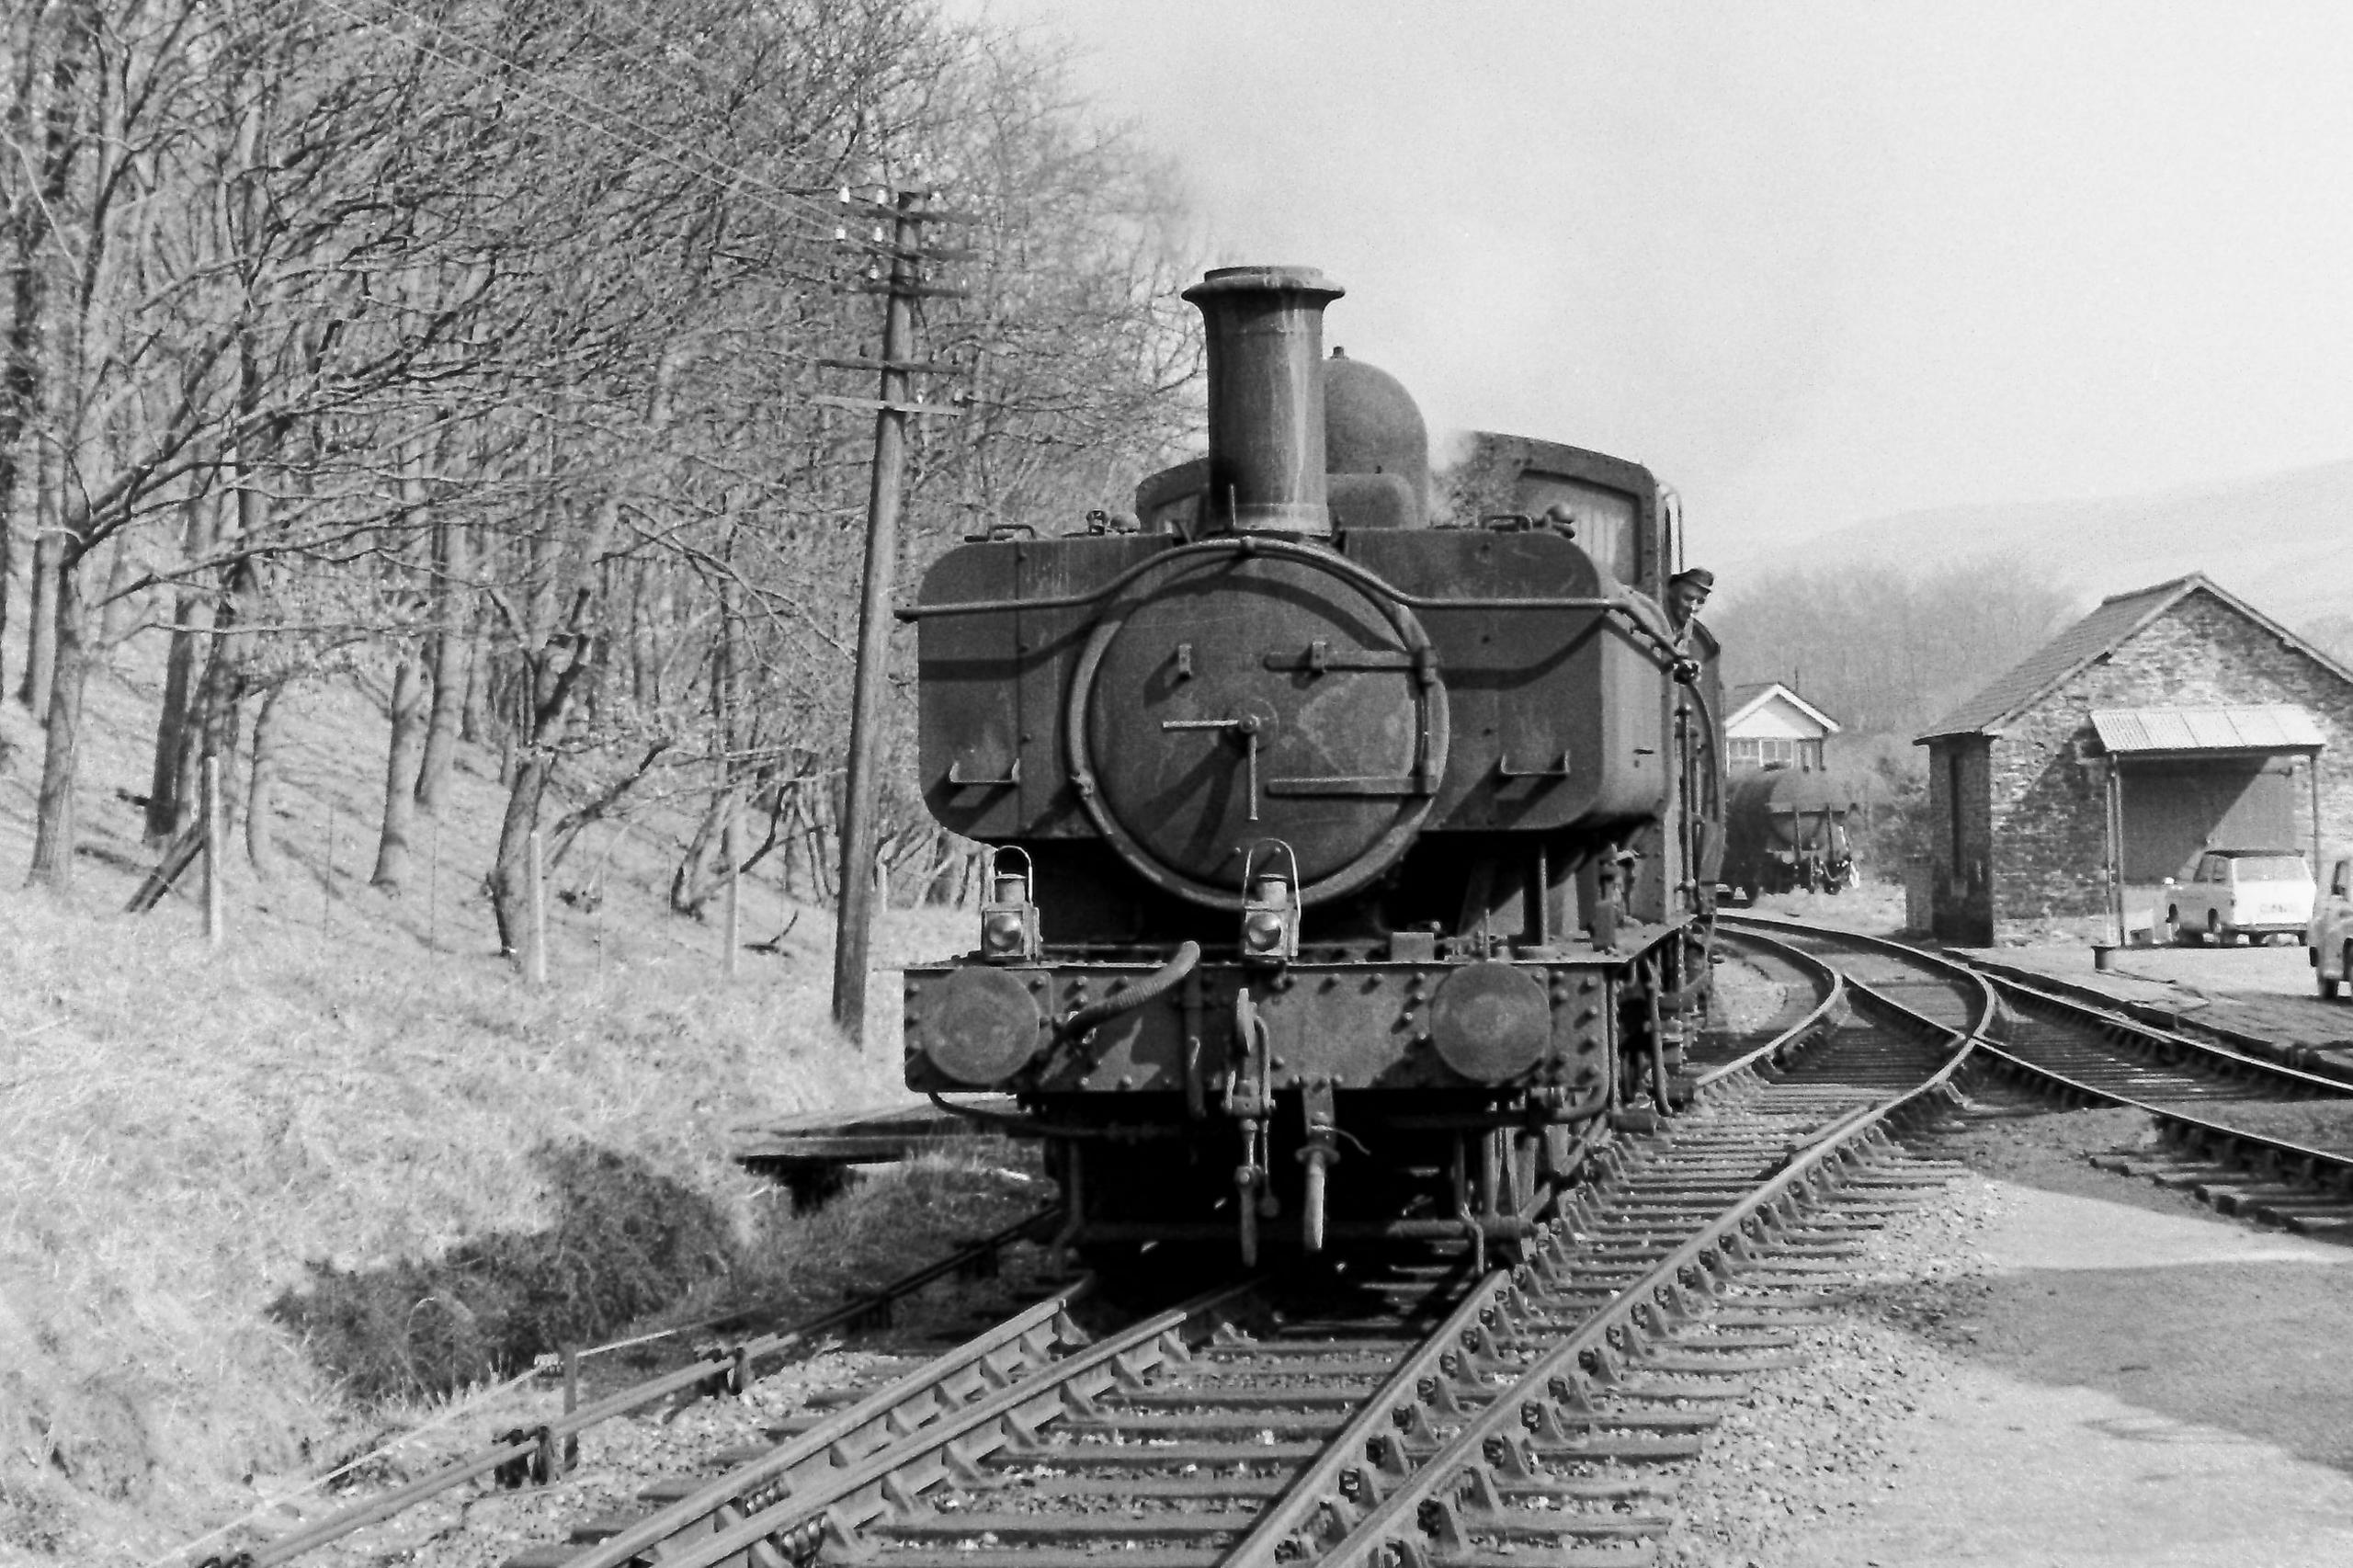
(479, 347)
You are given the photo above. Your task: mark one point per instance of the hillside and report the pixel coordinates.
(202, 1152)
(2283, 541)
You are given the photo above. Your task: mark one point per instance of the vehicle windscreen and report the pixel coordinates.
(2272, 868)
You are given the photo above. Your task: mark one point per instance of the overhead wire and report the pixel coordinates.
(841, 214)
(737, 174)
(831, 222)
(665, 48)
(734, 186)
(658, 58)
(796, 207)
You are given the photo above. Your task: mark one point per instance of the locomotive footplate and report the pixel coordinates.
(1258, 1101)
(1525, 1026)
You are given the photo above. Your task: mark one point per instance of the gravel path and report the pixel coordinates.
(2055, 1366)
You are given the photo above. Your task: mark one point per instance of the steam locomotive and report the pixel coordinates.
(1351, 867)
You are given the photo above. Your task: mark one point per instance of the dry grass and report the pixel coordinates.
(891, 1216)
(349, 1083)
(185, 1135)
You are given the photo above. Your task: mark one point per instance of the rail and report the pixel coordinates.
(1362, 1455)
(2150, 1039)
(1826, 1014)
(1032, 1398)
(728, 1370)
(1773, 929)
(2181, 1129)
(1472, 1469)
(2220, 1140)
(846, 1497)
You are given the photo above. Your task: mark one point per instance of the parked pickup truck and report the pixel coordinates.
(2234, 892)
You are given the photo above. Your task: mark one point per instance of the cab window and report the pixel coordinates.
(2208, 869)
(1609, 522)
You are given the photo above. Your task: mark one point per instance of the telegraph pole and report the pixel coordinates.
(855, 923)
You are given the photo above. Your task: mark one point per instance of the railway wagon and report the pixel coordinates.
(1351, 862)
(1786, 828)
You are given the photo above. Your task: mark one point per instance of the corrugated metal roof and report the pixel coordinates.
(2268, 727)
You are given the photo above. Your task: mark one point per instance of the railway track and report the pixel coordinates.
(2218, 1113)
(540, 1453)
(1425, 1409)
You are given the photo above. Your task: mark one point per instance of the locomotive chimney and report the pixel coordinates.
(1266, 349)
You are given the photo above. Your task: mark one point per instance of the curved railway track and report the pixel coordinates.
(1426, 1410)
(2215, 1110)
(1432, 1411)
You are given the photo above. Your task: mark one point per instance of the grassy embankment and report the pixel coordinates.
(255, 1200)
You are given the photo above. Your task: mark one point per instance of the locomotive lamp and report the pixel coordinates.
(1269, 909)
(1008, 920)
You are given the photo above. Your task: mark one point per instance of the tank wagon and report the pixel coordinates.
(1350, 866)
(1786, 828)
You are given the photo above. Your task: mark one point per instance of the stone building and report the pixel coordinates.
(1771, 725)
(2168, 720)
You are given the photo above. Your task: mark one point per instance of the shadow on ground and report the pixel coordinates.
(626, 1242)
(2252, 1347)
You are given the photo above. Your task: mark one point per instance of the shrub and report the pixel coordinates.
(626, 1242)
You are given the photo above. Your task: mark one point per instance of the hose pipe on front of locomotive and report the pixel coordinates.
(1158, 983)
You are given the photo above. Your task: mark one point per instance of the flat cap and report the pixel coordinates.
(1698, 578)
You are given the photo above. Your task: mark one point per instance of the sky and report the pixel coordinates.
(1813, 262)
